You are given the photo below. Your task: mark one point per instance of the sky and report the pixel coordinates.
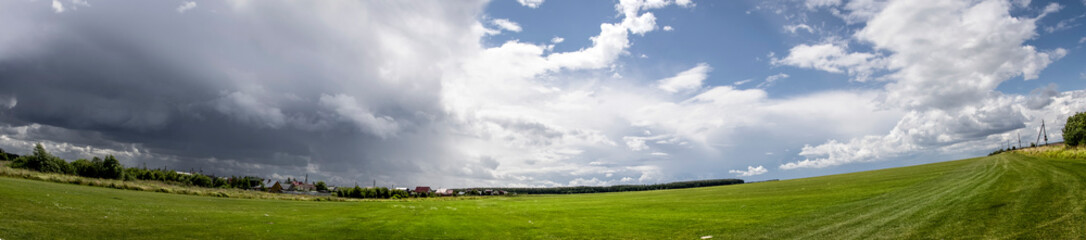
(536, 93)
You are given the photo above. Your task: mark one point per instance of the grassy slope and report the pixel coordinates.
(1004, 196)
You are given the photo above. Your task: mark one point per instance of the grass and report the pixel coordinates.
(1056, 151)
(1002, 196)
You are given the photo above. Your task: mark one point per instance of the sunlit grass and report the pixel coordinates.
(1056, 151)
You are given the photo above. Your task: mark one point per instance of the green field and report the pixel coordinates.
(1003, 196)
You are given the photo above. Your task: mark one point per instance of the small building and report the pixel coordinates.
(420, 189)
(276, 188)
(301, 187)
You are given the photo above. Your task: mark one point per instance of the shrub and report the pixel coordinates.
(201, 180)
(111, 169)
(1074, 132)
(85, 168)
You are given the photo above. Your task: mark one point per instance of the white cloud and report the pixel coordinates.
(611, 42)
(635, 143)
(506, 24)
(668, 28)
(741, 82)
(685, 3)
(642, 23)
(944, 68)
(530, 3)
(186, 6)
(934, 67)
(832, 58)
(1082, 40)
(557, 40)
(686, 80)
(58, 7)
(1052, 7)
(606, 47)
(751, 171)
(793, 28)
(769, 81)
(658, 154)
(812, 4)
(935, 130)
(77, 3)
(858, 11)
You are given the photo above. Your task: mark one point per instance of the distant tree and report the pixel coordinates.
(111, 168)
(85, 168)
(321, 186)
(201, 180)
(222, 183)
(1074, 131)
(356, 192)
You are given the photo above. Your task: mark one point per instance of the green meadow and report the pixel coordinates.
(1002, 196)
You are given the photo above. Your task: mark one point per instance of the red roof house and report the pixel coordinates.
(422, 189)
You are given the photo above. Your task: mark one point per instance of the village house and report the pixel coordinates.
(277, 188)
(445, 192)
(301, 187)
(422, 189)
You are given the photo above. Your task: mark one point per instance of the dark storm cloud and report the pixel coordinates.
(236, 87)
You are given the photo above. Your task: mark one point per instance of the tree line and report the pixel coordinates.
(378, 192)
(109, 168)
(601, 189)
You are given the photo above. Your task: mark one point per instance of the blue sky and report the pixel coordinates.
(736, 36)
(536, 93)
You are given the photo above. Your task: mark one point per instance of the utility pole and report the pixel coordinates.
(1041, 132)
(1045, 131)
(1019, 139)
